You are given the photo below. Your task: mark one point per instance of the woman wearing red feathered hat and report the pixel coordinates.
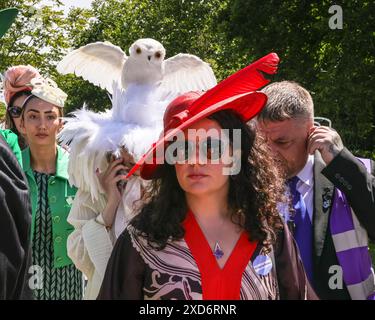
(209, 228)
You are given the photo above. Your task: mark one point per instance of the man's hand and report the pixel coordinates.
(327, 141)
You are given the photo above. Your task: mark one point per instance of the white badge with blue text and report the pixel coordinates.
(262, 264)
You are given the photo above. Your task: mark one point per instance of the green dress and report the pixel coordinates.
(63, 283)
(12, 140)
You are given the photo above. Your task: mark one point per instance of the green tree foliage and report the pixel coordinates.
(39, 36)
(181, 26)
(337, 66)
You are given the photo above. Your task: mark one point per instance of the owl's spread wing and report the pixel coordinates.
(186, 72)
(100, 63)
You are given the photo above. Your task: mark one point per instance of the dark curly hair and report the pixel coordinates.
(253, 193)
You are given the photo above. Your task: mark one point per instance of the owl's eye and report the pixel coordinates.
(139, 51)
(157, 55)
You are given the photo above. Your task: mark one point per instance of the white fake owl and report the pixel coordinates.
(101, 63)
(142, 85)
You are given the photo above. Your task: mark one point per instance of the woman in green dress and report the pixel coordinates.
(45, 165)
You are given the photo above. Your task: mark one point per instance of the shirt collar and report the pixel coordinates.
(306, 175)
(62, 160)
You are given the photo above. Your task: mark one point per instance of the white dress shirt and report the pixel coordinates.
(305, 185)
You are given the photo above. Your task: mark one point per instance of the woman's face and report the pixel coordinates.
(198, 175)
(17, 103)
(40, 122)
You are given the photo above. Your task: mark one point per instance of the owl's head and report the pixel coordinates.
(148, 50)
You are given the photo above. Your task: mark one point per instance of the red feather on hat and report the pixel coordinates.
(246, 80)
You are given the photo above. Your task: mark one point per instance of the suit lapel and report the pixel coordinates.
(323, 197)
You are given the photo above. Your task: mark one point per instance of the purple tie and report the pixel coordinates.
(303, 228)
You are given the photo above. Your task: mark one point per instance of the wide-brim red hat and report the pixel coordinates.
(236, 93)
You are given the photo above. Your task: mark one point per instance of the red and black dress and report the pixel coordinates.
(187, 269)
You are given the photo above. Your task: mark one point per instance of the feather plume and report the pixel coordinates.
(135, 121)
(246, 80)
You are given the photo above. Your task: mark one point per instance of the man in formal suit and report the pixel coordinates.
(15, 213)
(332, 192)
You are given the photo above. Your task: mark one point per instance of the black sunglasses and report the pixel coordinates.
(211, 149)
(15, 112)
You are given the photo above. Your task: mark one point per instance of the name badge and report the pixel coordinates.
(262, 265)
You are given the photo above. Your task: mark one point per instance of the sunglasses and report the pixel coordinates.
(15, 112)
(211, 149)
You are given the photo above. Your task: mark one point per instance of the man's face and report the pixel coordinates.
(288, 140)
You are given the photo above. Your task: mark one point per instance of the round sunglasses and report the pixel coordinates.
(179, 151)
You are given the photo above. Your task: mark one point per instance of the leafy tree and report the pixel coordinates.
(337, 66)
(39, 36)
(181, 26)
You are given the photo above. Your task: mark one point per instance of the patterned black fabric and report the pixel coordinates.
(137, 271)
(64, 283)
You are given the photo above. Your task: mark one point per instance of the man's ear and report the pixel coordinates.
(310, 125)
